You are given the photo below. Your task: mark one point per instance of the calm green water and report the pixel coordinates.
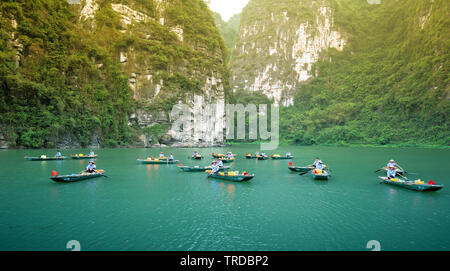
(158, 207)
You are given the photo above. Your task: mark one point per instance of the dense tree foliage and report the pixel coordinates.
(390, 85)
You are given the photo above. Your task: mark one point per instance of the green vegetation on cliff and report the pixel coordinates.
(61, 82)
(389, 85)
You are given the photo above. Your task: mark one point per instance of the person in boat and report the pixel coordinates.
(256, 153)
(91, 167)
(229, 155)
(161, 155)
(316, 162)
(288, 154)
(219, 162)
(91, 153)
(171, 157)
(214, 168)
(263, 154)
(58, 154)
(391, 172)
(319, 165)
(195, 154)
(391, 163)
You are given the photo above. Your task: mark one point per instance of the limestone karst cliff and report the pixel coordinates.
(278, 43)
(118, 68)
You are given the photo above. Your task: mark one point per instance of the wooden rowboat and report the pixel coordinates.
(262, 157)
(76, 156)
(411, 185)
(77, 177)
(300, 169)
(227, 160)
(278, 157)
(198, 168)
(157, 161)
(197, 157)
(249, 156)
(219, 155)
(324, 175)
(45, 158)
(233, 178)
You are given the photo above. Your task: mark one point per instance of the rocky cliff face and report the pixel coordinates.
(168, 57)
(278, 43)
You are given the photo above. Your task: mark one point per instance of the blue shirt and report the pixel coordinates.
(171, 157)
(220, 163)
(315, 163)
(215, 169)
(91, 166)
(391, 172)
(58, 154)
(91, 153)
(391, 164)
(319, 166)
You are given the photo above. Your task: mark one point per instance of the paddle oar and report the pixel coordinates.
(401, 168)
(403, 176)
(303, 173)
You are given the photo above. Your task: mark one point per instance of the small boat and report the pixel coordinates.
(227, 160)
(157, 161)
(77, 177)
(416, 185)
(220, 155)
(262, 157)
(300, 169)
(198, 168)
(197, 157)
(82, 156)
(279, 157)
(249, 156)
(232, 176)
(320, 174)
(45, 158)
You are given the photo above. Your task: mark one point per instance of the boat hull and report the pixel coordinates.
(162, 162)
(75, 177)
(193, 169)
(84, 157)
(412, 186)
(300, 169)
(197, 157)
(281, 157)
(238, 178)
(45, 159)
(321, 176)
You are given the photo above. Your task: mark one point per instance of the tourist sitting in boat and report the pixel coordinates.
(91, 153)
(161, 155)
(91, 167)
(219, 162)
(58, 154)
(288, 154)
(195, 154)
(214, 168)
(316, 162)
(319, 165)
(263, 154)
(171, 157)
(229, 154)
(391, 172)
(256, 153)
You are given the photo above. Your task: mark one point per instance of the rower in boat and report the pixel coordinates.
(58, 154)
(263, 154)
(319, 167)
(219, 162)
(161, 155)
(171, 157)
(215, 168)
(391, 172)
(316, 162)
(229, 155)
(288, 154)
(91, 153)
(91, 167)
(195, 154)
